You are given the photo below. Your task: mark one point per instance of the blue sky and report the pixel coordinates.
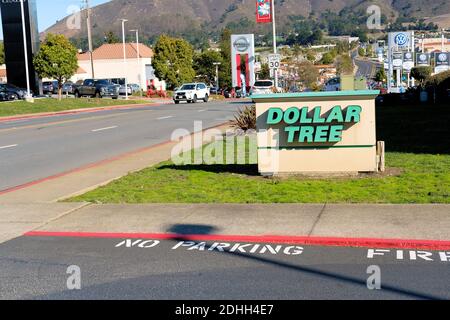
(49, 11)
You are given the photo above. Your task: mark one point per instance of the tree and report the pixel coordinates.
(111, 37)
(344, 65)
(204, 64)
(380, 76)
(265, 71)
(308, 74)
(225, 51)
(421, 74)
(173, 60)
(361, 52)
(56, 59)
(327, 58)
(296, 50)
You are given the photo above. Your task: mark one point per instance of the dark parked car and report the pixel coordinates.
(6, 95)
(68, 88)
(50, 87)
(97, 88)
(214, 90)
(233, 92)
(15, 92)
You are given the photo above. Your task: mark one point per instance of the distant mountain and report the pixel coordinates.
(154, 17)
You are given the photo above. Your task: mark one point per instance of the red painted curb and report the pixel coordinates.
(77, 111)
(92, 165)
(301, 240)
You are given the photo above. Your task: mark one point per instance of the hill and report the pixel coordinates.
(194, 17)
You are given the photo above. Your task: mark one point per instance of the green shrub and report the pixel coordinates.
(439, 79)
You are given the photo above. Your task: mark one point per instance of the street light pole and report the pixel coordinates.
(275, 51)
(124, 58)
(25, 49)
(138, 59)
(217, 64)
(89, 31)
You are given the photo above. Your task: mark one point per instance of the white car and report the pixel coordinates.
(122, 90)
(262, 87)
(191, 93)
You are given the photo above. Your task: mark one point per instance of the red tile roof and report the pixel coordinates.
(115, 51)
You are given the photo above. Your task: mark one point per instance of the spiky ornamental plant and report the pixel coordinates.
(245, 119)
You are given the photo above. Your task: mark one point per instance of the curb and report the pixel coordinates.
(77, 111)
(300, 240)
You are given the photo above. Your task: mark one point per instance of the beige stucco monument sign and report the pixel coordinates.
(317, 132)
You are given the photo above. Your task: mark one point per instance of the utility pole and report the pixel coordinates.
(89, 31)
(125, 58)
(138, 59)
(275, 51)
(217, 64)
(25, 50)
(443, 41)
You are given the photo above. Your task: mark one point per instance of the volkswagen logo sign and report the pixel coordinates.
(401, 39)
(408, 55)
(442, 57)
(423, 57)
(241, 44)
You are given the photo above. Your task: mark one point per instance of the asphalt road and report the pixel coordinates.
(37, 148)
(36, 268)
(365, 68)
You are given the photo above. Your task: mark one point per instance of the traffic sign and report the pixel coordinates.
(274, 61)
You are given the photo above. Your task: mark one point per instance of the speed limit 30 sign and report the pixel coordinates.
(274, 61)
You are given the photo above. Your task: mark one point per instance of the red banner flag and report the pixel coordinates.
(263, 11)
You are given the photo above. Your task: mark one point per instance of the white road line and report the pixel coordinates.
(10, 146)
(201, 110)
(104, 129)
(163, 118)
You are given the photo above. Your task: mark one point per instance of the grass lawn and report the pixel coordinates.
(417, 141)
(52, 105)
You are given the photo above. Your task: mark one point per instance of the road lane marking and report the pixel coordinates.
(104, 129)
(164, 118)
(57, 123)
(203, 110)
(10, 146)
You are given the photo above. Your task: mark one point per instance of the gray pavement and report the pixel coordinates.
(420, 222)
(365, 68)
(37, 268)
(33, 149)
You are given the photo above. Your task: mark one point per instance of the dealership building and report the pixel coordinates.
(109, 63)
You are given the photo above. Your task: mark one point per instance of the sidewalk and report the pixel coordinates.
(409, 224)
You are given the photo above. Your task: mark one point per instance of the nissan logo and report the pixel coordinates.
(241, 44)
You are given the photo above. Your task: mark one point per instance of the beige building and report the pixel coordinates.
(108, 63)
(434, 45)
